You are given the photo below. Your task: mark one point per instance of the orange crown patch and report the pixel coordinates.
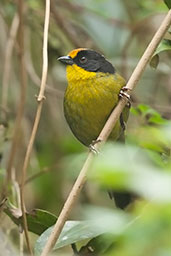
(74, 52)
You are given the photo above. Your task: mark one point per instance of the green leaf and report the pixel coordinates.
(168, 3)
(101, 221)
(154, 61)
(99, 245)
(165, 45)
(157, 139)
(38, 220)
(73, 231)
(150, 115)
(140, 109)
(116, 220)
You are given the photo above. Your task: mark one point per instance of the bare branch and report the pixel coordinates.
(37, 116)
(38, 174)
(23, 83)
(135, 77)
(45, 53)
(20, 109)
(7, 63)
(35, 78)
(17, 198)
(5, 86)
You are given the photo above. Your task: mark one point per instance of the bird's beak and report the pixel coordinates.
(66, 60)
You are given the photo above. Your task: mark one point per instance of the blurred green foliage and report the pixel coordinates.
(168, 3)
(121, 31)
(165, 45)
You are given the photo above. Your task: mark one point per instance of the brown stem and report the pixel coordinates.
(5, 86)
(7, 62)
(37, 117)
(38, 174)
(21, 111)
(23, 83)
(36, 80)
(135, 77)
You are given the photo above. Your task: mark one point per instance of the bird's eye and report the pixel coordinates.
(83, 60)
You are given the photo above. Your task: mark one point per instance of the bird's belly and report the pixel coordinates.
(87, 117)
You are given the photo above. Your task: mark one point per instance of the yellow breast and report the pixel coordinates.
(89, 99)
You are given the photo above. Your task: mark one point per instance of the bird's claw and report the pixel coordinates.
(124, 94)
(92, 146)
(93, 149)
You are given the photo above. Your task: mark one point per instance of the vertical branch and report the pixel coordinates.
(37, 119)
(18, 203)
(23, 84)
(7, 62)
(5, 86)
(22, 101)
(5, 83)
(45, 53)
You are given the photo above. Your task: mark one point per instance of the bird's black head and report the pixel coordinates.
(89, 60)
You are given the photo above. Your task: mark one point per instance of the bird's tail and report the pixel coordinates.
(122, 199)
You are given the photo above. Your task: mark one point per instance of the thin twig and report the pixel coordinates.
(18, 204)
(5, 86)
(23, 84)
(37, 116)
(21, 107)
(35, 78)
(135, 77)
(45, 53)
(5, 83)
(21, 243)
(38, 174)
(7, 62)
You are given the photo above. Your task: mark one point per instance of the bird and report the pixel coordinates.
(93, 91)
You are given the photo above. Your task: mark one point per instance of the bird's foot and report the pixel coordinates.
(122, 122)
(93, 149)
(124, 94)
(92, 146)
